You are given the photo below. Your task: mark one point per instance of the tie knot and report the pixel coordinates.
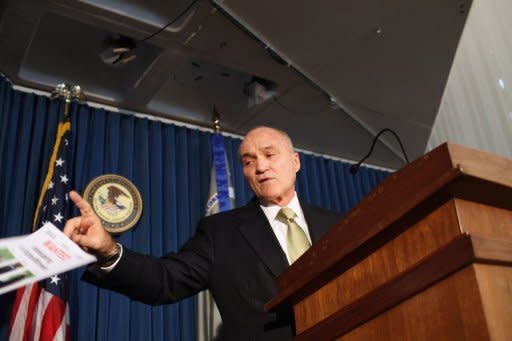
(287, 214)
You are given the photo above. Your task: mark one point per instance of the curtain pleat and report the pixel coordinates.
(170, 165)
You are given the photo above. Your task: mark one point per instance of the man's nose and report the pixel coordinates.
(261, 165)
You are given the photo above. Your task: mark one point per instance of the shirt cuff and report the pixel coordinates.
(113, 265)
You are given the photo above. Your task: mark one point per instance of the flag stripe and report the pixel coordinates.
(52, 318)
(62, 333)
(21, 323)
(18, 302)
(42, 304)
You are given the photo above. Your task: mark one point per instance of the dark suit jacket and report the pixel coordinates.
(236, 255)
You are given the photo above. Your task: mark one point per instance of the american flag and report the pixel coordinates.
(41, 310)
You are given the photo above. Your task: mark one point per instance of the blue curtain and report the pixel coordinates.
(170, 166)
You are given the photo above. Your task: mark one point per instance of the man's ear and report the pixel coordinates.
(296, 161)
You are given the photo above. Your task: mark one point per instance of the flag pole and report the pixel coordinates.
(67, 93)
(216, 120)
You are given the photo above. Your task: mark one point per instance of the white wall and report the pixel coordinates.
(476, 109)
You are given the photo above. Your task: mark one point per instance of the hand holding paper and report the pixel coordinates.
(42, 254)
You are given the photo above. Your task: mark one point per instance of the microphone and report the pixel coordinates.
(355, 167)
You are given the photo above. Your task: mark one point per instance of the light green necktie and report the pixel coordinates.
(296, 240)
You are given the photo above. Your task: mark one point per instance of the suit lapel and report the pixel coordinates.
(258, 233)
(314, 225)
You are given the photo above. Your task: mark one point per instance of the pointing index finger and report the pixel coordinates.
(81, 203)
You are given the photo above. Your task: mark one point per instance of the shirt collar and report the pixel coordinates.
(271, 211)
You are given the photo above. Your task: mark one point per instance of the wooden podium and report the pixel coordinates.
(427, 255)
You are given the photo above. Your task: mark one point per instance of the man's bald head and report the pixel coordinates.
(260, 129)
(269, 164)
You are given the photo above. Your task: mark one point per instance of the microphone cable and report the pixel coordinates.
(355, 167)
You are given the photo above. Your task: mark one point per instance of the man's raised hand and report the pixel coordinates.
(87, 231)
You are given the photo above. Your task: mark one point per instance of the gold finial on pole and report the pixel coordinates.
(216, 120)
(68, 93)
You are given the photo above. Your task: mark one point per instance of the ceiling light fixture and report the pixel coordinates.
(259, 90)
(118, 50)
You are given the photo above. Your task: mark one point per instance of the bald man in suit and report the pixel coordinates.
(237, 254)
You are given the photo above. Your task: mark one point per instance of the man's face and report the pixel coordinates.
(270, 165)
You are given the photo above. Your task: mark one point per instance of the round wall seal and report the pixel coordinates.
(116, 201)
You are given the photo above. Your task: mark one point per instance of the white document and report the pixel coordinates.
(40, 255)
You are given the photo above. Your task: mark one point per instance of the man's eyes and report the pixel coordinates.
(247, 162)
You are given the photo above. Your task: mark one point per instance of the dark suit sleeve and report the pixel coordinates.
(160, 280)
